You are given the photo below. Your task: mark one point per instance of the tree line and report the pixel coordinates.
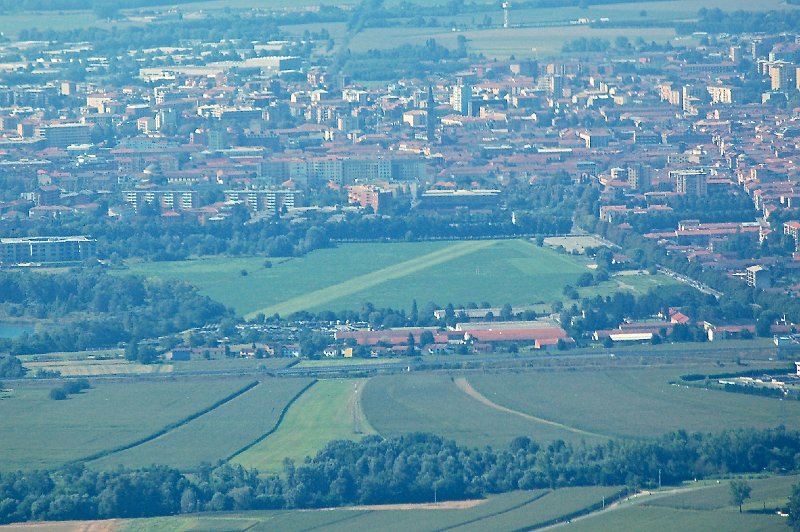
(410, 468)
(90, 308)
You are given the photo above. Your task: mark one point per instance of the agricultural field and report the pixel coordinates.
(89, 368)
(216, 435)
(329, 410)
(41, 433)
(497, 271)
(705, 508)
(635, 403)
(435, 403)
(521, 509)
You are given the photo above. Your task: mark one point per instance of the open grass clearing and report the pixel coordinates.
(216, 435)
(41, 433)
(329, 410)
(385, 274)
(631, 402)
(402, 403)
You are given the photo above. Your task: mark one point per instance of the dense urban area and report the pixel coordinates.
(364, 212)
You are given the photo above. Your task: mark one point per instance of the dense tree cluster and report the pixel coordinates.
(737, 22)
(11, 367)
(118, 40)
(91, 308)
(409, 468)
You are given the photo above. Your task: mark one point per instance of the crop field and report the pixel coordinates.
(434, 403)
(766, 492)
(329, 410)
(497, 271)
(89, 368)
(706, 508)
(217, 434)
(41, 433)
(520, 509)
(630, 402)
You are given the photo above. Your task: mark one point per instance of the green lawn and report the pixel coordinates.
(631, 402)
(216, 435)
(38, 432)
(394, 274)
(397, 404)
(329, 410)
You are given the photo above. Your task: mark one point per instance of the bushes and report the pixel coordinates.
(69, 388)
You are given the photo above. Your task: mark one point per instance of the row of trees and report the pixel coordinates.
(409, 468)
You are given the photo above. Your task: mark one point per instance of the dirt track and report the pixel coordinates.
(467, 388)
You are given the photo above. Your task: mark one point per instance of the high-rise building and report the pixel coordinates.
(690, 182)
(639, 177)
(63, 135)
(782, 75)
(461, 99)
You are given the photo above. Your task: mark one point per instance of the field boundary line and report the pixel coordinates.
(355, 515)
(466, 387)
(613, 499)
(274, 429)
(374, 278)
(500, 512)
(171, 426)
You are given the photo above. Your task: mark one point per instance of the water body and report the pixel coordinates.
(14, 329)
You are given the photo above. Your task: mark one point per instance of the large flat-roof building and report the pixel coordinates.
(46, 249)
(266, 200)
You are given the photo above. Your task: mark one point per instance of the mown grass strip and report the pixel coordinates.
(271, 431)
(369, 280)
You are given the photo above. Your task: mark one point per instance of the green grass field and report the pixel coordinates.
(766, 492)
(631, 403)
(216, 435)
(329, 410)
(707, 508)
(497, 271)
(398, 404)
(41, 433)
